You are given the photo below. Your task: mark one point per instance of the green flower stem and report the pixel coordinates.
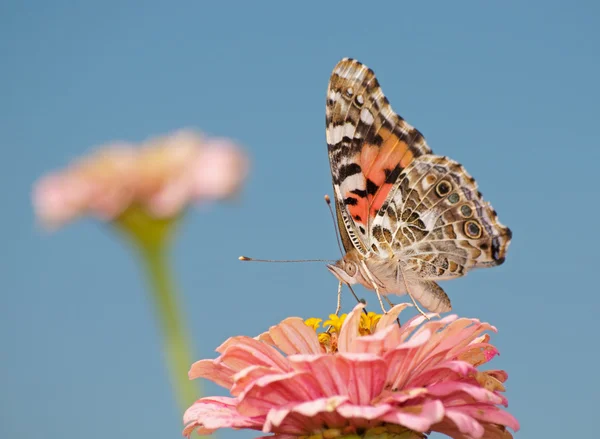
(152, 238)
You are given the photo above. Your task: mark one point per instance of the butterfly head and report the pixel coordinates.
(348, 269)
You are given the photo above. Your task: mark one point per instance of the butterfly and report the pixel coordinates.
(407, 218)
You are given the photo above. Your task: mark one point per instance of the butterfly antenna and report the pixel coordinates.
(335, 226)
(247, 259)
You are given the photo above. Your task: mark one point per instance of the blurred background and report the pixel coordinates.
(509, 89)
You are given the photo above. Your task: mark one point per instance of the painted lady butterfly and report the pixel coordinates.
(407, 218)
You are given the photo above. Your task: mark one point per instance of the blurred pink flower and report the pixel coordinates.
(162, 175)
(405, 381)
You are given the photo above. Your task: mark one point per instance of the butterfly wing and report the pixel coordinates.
(436, 221)
(369, 146)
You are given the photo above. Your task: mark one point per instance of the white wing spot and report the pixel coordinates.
(338, 132)
(360, 99)
(366, 117)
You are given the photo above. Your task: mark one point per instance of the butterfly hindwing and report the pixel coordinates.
(438, 221)
(369, 146)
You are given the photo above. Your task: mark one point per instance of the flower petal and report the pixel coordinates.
(418, 417)
(382, 341)
(476, 354)
(277, 390)
(390, 317)
(465, 423)
(489, 414)
(309, 414)
(293, 336)
(242, 352)
(208, 414)
(478, 393)
(400, 361)
(219, 374)
(443, 371)
(247, 376)
(368, 412)
(349, 332)
(361, 377)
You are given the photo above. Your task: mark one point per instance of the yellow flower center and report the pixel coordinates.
(332, 327)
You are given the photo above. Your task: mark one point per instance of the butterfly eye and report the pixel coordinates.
(443, 188)
(350, 268)
(472, 229)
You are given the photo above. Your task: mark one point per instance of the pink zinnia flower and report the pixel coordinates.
(162, 176)
(364, 376)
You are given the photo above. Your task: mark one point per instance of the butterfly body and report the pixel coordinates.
(407, 218)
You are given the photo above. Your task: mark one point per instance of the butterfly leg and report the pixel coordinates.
(416, 306)
(374, 286)
(400, 273)
(339, 299)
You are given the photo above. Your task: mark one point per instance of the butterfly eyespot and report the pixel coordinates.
(349, 92)
(430, 179)
(350, 268)
(453, 198)
(359, 101)
(443, 188)
(472, 229)
(466, 211)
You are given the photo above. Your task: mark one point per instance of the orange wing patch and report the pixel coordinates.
(381, 165)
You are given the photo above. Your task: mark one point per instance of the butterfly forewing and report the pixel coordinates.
(369, 145)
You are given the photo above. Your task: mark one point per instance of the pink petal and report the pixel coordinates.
(310, 409)
(401, 396)
(466, 335)
(247, 376)
(265, 337)
(390, 317)
(242, 352)
(465, 423)
(380, 342)
(171, 198)
(292, 336)
(401, 360)
(433, 352)
(413, 324)
(442, 371)
(476, 354)
(277, 390)
(488, 413)
(478, 393)
(361, 377)
(209, 414)
(368, 412)
(349, 332)
(417, 418)
(217, 373)
(219, 170)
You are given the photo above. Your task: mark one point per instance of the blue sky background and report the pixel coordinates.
(510, 89)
